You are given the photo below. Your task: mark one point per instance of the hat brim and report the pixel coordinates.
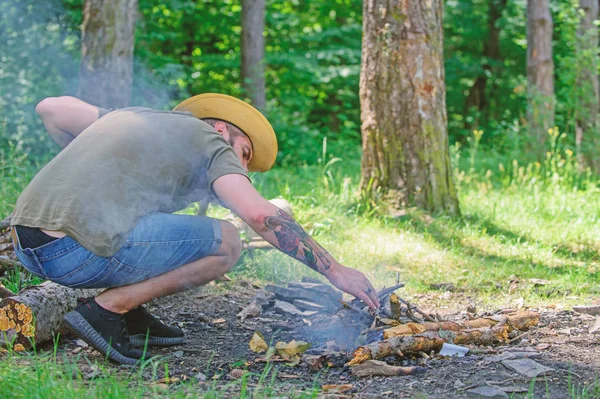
(242, 115)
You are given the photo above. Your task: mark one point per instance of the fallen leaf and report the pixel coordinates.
(257, 343)
(389, 322)
(295, 361)
(219, 321)
(288, 350)
(337, 388)
(236, 373)
(18, 348)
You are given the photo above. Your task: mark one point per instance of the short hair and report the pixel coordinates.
(234, 131)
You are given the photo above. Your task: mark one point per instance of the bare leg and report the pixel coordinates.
(194, 274)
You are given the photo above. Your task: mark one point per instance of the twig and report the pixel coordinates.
(416, 309)
(5, 223)
(387, 291)
(510, 341)
(381, 294)
(349, 306)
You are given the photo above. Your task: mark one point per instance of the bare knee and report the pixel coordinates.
(231, 245)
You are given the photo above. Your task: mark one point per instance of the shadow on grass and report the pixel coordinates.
(447, 232)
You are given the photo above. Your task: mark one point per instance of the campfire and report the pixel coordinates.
(347, 330)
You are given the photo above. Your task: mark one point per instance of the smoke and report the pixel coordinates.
(40, 53)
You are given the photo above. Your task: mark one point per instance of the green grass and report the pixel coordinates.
(519, 222)
(55, 375)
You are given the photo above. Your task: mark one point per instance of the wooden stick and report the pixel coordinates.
(377, 367)
(426, 342)
(416, 309)
(5, 223)
(521, 320)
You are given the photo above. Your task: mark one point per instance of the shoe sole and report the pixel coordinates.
(140, 340)
(84, 330)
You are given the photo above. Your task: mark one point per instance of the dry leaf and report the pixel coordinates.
(288, 350)
(257, 343)
(295, 361)
(389, 322)
(236, 373)
(337, 388)
(219, 321)
(18, 348)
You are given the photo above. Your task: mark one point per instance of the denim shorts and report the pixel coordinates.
(159, 243)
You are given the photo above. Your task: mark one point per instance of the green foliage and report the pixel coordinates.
(313, 52)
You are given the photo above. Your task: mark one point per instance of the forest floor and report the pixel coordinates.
(216, 353)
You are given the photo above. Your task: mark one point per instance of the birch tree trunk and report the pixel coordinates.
(107, 40)
(403, 105)
(540, 74)
(253, 51)
(587, 134)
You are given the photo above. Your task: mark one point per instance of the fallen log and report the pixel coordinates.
(35, 314)
(521, 320)
(427, 342)
(377, 367)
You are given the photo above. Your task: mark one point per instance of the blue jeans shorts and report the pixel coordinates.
(159, 243)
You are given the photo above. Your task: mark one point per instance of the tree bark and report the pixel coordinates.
(540, 74)
(253, 51)
(522, 320)
(587, 128)
(427, 342)
(36, 313)
(107, 41)
(480, 92)
(403, 106)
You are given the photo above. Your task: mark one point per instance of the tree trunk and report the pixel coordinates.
(540, 74)
(587, 129)
(403, 106)
(36, 313)
(253, 51)
(480, 92)
(107, 40)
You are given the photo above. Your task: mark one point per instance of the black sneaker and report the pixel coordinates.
(146, 329)
(104, 330)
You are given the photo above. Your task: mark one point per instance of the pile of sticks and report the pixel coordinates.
(407, 330)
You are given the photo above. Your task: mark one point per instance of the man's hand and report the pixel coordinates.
(354, 283)
(281, 230)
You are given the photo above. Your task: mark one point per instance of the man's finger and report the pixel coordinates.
(366, 299)
(372, 292)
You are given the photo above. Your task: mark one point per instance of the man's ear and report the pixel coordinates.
(221, 127)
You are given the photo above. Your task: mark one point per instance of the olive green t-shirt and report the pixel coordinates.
(127, 164)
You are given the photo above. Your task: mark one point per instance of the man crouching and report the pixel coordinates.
(100, 214)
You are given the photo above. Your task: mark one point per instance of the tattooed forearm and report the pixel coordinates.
(294, 241)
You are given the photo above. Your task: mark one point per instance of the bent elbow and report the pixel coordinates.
(47, 106)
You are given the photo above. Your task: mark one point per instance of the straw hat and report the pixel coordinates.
(242, 115)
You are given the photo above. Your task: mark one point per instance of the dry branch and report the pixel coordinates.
(521, 320)
(428, 341)
(36, 313)
(376, 367)
(5, 223)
